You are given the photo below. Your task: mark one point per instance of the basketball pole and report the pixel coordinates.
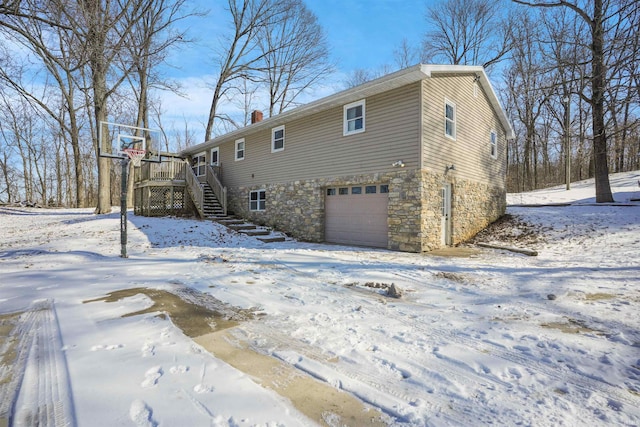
(123, 207)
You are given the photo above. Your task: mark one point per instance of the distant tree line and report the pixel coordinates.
(567, 73)
(67, 65)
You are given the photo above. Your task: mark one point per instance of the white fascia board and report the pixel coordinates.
(373, 87)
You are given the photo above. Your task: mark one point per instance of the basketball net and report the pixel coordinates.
(135, 155)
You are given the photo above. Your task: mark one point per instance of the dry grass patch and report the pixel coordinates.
(571, 326)
(598, 296)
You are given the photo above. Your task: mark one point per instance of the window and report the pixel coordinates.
(494, 144)
(257, 200)
(199, 163)
(343, 190)
(277, 139)
(449, 119)
(240, 149)
(370, 189)
(384, 188)
(331, 191)
(356, 190)
(215, 156)
(354, 118)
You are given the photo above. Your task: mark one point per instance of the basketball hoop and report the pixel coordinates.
(135, 155)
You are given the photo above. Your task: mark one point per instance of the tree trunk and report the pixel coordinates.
(603, 187)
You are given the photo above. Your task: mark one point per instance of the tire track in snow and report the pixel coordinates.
(39, 392)
(458, 370)
(466, 410)
(569, 375)
(391, 389)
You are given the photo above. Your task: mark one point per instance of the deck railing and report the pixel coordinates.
(213, 172)
(196, 190)
(172, 170)
(180, 170)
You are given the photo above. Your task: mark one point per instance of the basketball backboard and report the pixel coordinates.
(115, 138)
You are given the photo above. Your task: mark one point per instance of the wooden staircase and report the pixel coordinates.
(211, 207)
(214, 211)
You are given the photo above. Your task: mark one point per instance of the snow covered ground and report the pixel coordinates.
(498, 338)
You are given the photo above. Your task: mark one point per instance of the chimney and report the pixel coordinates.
(256, 116)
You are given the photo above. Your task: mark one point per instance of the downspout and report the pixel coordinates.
(421, 141)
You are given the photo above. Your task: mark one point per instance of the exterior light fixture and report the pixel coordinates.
(398, 164)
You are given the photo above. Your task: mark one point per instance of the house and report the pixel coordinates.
(411, 161)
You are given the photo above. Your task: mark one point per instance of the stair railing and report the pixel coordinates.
(218, 189)
(196, 190)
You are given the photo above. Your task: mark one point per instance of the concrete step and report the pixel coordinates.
(229, 222)
(219, 217)
(241, 227)
(271, 239)
(254, 233)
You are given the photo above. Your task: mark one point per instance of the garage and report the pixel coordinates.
(357, 215)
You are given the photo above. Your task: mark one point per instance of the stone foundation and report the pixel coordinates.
(297, 208)
(475, 206)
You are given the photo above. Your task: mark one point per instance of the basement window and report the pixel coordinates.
(257, 200)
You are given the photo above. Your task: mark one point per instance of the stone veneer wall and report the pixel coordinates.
(297, 208)
(475, 206)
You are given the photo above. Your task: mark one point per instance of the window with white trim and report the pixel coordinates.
(240, 149)
(449, 119)
(277, 139)
(354, 117)
(215, 156)
(494, 144)
(199, 163)
(257, 200)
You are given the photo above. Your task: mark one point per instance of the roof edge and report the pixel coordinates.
(398, 78)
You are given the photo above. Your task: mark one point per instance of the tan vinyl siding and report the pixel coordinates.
(475, 119)
(315, 147)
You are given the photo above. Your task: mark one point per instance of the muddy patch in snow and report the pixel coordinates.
(208, 321)
(192, 318)
(572, 326)
(7, 345)
(8, 323)
(598, 296)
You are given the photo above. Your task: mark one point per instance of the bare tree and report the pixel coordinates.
(406, 55)
(295, 53)
(97, 32)
(54, 46)
(596, 17)
(152, 36)
(360, 75)
(466, 32)
(241, 56)
(525, 82)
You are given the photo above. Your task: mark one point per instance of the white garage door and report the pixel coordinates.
(357, 215)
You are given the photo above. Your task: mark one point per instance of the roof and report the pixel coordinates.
(373, 87)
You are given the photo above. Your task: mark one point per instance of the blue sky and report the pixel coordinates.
(360, 33)
(364, 34)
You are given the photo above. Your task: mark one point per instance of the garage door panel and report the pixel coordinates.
(357, 219)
